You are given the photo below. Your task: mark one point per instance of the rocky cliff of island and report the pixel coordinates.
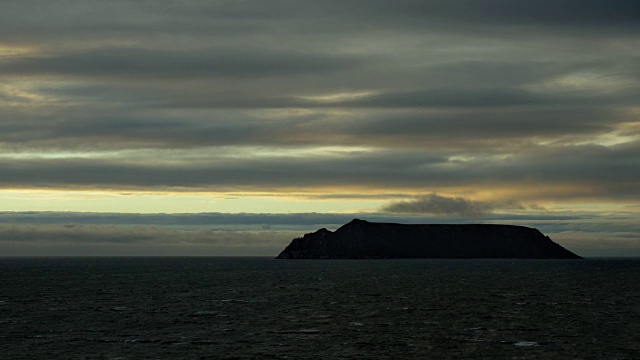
(361, 239)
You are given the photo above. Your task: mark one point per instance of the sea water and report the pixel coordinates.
(260, 308)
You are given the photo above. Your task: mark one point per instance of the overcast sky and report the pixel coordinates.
(468, 111)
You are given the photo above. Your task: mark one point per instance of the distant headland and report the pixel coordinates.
(361, 239)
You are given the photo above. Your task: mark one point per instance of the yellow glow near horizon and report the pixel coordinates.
(145, 202)
(534, 197)
(338, 97)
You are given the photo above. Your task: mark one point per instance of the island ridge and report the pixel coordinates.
(361, 239)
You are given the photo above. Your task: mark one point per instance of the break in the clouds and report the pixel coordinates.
(493, 105)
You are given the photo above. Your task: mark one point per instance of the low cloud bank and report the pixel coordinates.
(443, 205)
(114, 240)
(600, 244)
(586, 234)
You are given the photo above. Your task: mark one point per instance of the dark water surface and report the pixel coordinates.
(258, 308)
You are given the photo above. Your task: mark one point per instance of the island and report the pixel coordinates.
(360, 239)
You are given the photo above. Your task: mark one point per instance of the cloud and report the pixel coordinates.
(302, 222)
(253, 221)
(529, 100)
(132, 63)
(118, 129)
(590, 233)
(229, 18)
(105, 240)
(587, 171)
(600, 244)
(487, 125)
(445, 205)
(297, 221)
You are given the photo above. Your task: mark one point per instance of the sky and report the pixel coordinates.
(228, 122)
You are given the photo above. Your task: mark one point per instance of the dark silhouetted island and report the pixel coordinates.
(361, 239)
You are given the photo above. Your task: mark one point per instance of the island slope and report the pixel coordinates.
(361, 239)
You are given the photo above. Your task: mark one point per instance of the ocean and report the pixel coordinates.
(260, 308)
